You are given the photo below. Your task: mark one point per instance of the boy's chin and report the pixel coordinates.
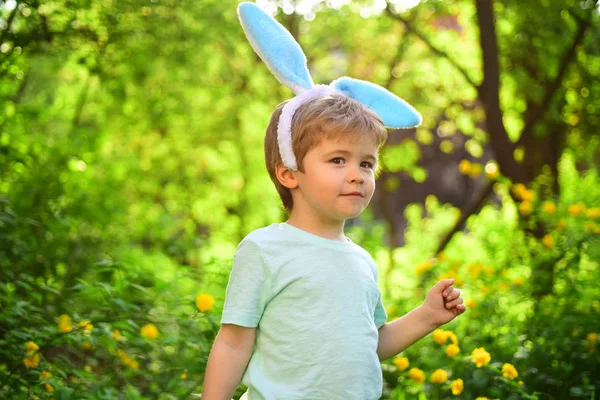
(351, 214)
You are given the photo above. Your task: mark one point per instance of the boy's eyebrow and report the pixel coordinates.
(346, 153)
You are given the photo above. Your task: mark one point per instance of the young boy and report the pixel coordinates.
(303, 316)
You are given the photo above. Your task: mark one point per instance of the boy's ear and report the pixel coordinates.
(286, 176)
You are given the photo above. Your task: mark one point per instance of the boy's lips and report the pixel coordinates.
(353, 194)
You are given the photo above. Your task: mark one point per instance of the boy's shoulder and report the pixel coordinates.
(262, 237)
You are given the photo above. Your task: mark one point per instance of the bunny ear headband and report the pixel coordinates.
(283, 56)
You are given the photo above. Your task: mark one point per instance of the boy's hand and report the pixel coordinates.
(443, 302)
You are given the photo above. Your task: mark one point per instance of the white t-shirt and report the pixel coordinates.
(317, 309)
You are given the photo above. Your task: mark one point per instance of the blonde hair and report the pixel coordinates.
(324, 117)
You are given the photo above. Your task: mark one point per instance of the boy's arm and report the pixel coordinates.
(401, 333)
(227, 361)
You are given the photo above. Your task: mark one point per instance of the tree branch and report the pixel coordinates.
(465, 214)
(538, 112)
(11, 17)
(489, 94)
(399, 52)
(437, 51)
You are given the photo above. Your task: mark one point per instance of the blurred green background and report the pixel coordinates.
(131, 165)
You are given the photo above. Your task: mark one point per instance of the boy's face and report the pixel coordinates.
(333, 170)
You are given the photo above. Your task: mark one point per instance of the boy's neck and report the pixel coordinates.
(332, 230)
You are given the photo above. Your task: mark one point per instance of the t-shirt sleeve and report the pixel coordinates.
(380, 315)
(249, 287)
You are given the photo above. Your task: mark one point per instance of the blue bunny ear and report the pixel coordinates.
(276, 47)
(395, 112)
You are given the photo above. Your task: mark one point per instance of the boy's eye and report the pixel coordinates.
(369, 165)
(364, 164)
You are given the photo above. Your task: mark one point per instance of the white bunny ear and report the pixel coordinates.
(276, 47)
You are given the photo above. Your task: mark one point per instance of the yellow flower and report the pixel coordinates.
(49, 388)
(520, 382)
(150, 331)
(184, 376)
(475, 170)
(592, 337)
(85, 326)
(205, 302)
(441, 336)
(439, 376)
(549, 207)
(87, 345)
(45, 375)
(509, 371)
(401, 362)
(548, 241)
(423, 266)
(457, 387)
(416, 375)
(464, 167)
(31, 347)
(491, 170)
(484, 290)
(452, 350)
(116, 334)
(453, 338)
(480, 357)
(590, 226)
(471, 303)
(65, 324)
(32, 361)
(576, 209)
(474, 270)
(528, 195)
(482, 398)
(518, 281)
(518, 190)
(128, 361)
(593, 212)
(522, 193)
(525, 208)
(448, 275)
(131, 363)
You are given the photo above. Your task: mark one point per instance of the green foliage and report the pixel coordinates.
(145, 341)
(551, 340)
(131, 165)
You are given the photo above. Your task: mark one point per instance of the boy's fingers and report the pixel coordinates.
(453, 294)
(447, 291)
(442, 286)
(454, 303)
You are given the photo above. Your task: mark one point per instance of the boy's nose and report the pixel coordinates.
(356, 176)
